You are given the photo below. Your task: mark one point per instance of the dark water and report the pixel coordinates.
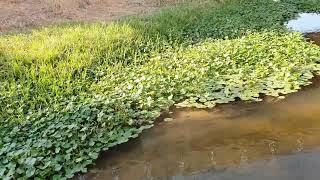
(273, 139)
(305, 23)
(314, 37)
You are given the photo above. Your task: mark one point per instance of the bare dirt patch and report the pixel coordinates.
(20, 14)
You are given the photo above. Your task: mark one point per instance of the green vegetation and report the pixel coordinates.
(66, 93)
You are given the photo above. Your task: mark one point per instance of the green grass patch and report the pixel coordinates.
(69, 92)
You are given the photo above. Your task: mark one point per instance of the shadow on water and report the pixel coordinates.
(273, 139)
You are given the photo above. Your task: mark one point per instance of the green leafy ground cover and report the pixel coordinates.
(69, 92)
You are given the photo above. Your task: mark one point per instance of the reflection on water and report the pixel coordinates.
(305, 23)
(240, 140)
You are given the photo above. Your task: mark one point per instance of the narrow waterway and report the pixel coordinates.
(272, 139)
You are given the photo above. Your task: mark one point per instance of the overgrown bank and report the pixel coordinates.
(69, 92)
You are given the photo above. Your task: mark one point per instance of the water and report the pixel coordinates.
(303, 166)
(278, 139)
(273, 139)
(314, 37)
(305, 23)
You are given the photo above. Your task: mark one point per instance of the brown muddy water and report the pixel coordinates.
(272, 139)
(314, 37)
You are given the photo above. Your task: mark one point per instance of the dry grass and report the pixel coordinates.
(20, 14)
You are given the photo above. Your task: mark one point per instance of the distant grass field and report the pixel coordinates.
(69, 92)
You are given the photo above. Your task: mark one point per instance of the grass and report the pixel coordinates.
(68, 92)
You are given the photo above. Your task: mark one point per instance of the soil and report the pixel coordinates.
(22, 14)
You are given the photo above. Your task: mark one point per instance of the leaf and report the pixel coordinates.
(30, 172)
(30, 161)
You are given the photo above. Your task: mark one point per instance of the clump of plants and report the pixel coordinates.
(67, 93)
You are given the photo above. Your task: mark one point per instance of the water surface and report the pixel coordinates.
(305, 23)
(314, 37)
